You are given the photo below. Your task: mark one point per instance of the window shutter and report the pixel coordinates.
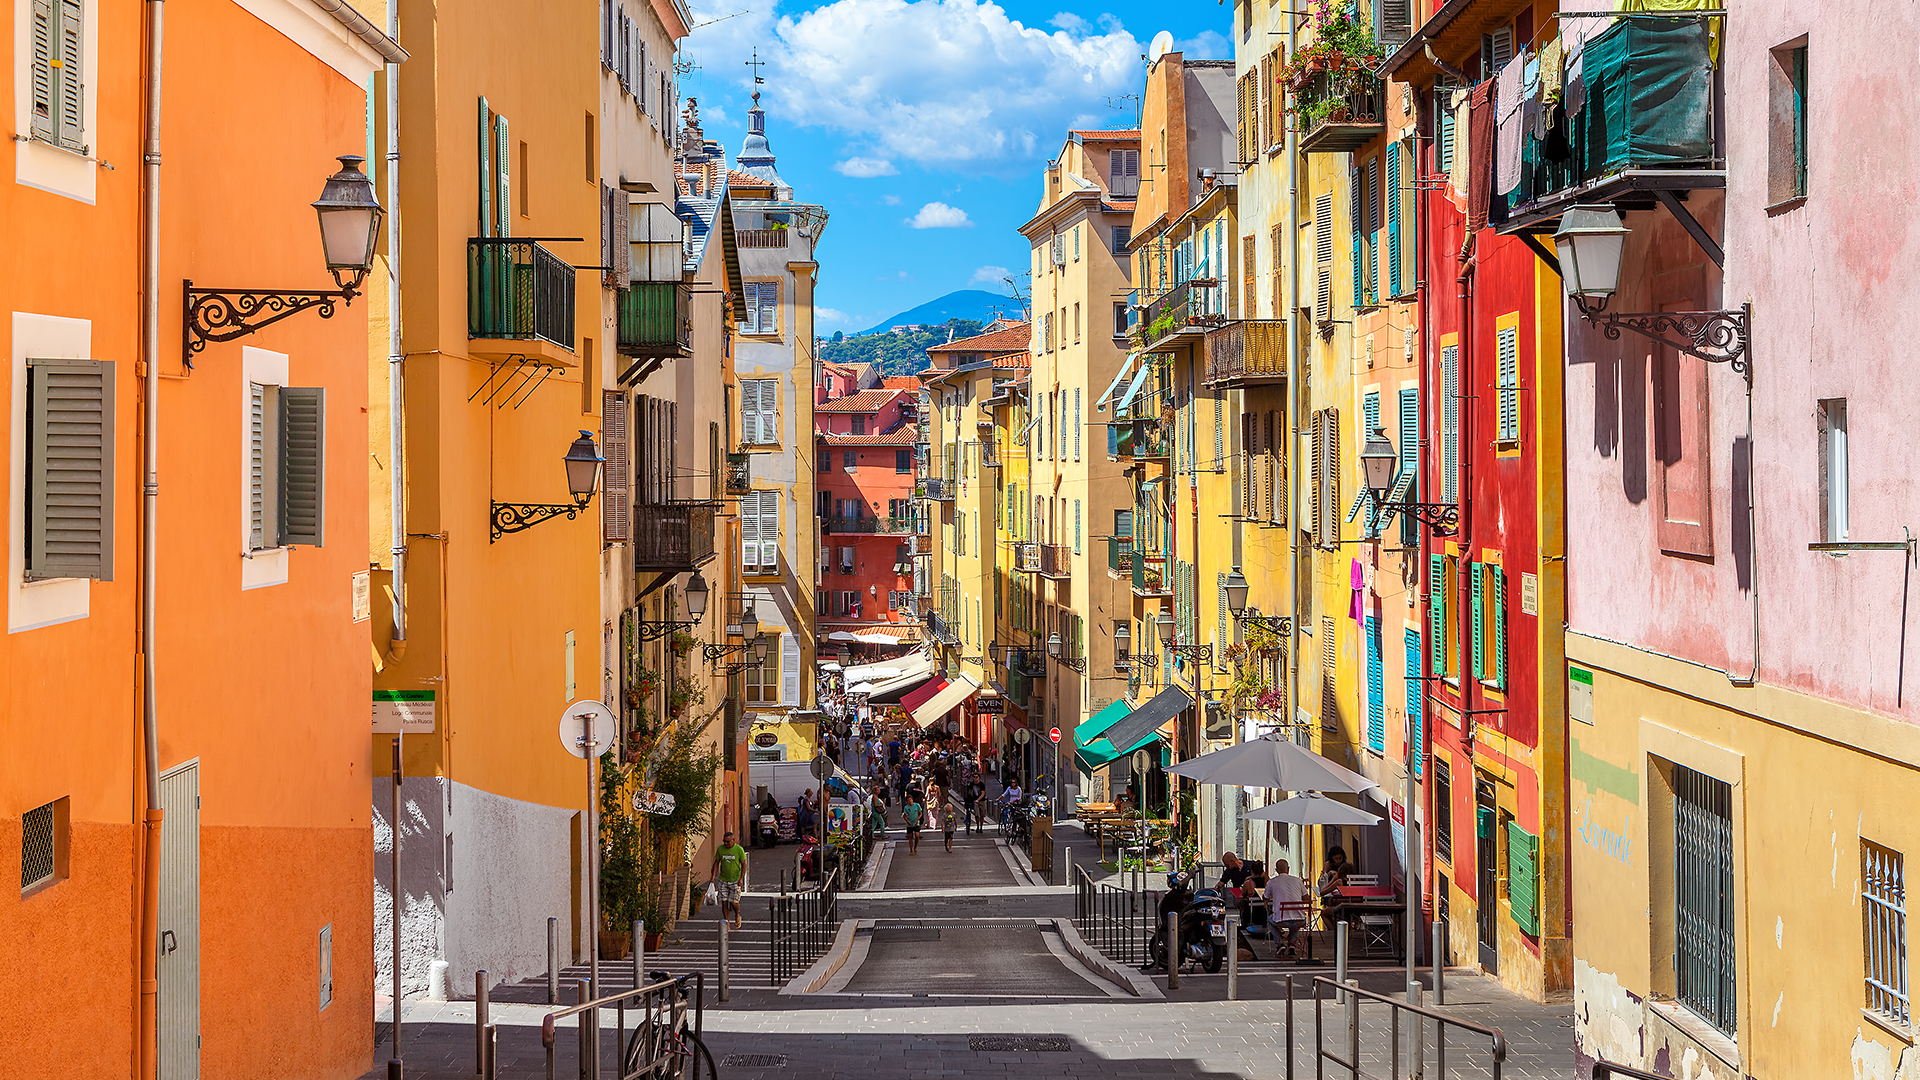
(1376, 690)
(303, 465)
(1370, 406)
(45, 94)
(1443, 126)
(1319, 452)
(1450, 423)
(1496, 50)
(1415, 702)
(503, 199)
(486, 169)
(1509, 388)
(1499, 599)
(257, 538)
(789, 670)
(769, 410)
(1523, 878)
(1077, 423)
(622, 240)
(1275, 461)
(1373, 229)
(1408, 219)
(1076, 526)
(69, 498)
(1392, 154)
(767, 317)
(69, 85)
(1479, 621)
(750, 533)
(1266, 102)
(1356, 225)
(1437, 610)
(1330, 513)
(1409, 461)
(614, 498)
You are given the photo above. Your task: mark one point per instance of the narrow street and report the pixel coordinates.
(954, 966)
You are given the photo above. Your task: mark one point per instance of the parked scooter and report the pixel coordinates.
(768, 832)
(1203, 926)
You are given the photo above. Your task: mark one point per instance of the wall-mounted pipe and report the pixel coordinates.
(149, 920)
(396, 358)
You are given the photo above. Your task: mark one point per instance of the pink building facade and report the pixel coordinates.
(864, 443)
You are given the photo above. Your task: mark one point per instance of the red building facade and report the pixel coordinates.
(864, 445)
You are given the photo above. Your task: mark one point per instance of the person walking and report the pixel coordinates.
(949, 820)
(916, 815)
(728, 875)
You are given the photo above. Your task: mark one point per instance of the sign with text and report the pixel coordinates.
(996, 706)
(402, 712)
(653, 802)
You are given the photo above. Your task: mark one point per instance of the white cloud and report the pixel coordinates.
(890, 200)
(865, 167)
(829, 315)
(938, 215)
(991, 275)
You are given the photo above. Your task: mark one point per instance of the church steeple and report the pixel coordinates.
(756, 154)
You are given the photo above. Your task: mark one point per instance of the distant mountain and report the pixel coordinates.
(975, 304)
(898, 352)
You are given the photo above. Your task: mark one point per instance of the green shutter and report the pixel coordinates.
(69, 498)
(1479, 622)
(1483, 822)
(1499, 599)
(486, 169)
(303, 465)
(503, 198)
(1523, 878)
(1437, 610)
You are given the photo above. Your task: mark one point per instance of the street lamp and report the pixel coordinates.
(1053, 646)
(1122, 647)
(1377, 460)
(583, 462)
(697, 593)
(1591, 242)
(1236, 588)
(761, 645)
(749, 623)
(1200, 654)
(1056, 648)
(350, 215)
(751, 642)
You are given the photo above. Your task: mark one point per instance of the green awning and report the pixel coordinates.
(1100, 722)
(1100, 753)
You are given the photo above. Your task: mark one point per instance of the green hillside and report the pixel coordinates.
(903, 353)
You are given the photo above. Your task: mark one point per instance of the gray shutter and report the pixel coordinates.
(303, 465)
(613, 435)
(622, 239)
(70, 114)
(503, 198)
(69, 469)
(486, 169)
(44, 92)
(767, 318)
(257, 538)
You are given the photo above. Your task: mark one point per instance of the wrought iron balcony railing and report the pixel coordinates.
(672, 536)
(655, 319)
(1179, 309)
(1145, 440)
(739, 474)
(1026, 558)
(1339, 110)
(937, 489)
(873, 525)
(1120, 554)
(760, 238)
(518, 290)
(1056, 561)
(1246, 352)
(922, 544)
(1149, 574)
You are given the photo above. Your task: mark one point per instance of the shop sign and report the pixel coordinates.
(996, 706)
(766, 739)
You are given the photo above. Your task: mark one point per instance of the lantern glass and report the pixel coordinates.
(1164, 624)
(349, 217)
(1053, 645)
(1591, 241)
(583, 467)
(1377, 461)
(749, 624)
(1236, 587)
(697, 596)
(760, 646)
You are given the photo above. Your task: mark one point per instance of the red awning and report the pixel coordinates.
(924, 694)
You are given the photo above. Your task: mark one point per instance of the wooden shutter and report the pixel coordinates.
(622, 264)
(1372, 250)
(257, 520)
(750, 412)
(1392, 154)
(486, 169)
(767, 312)
(1437, 610)
(303, 465)
(1416, 700)
(616, 497)
(1323, 256)
(1249, 483)
(1508, 382)
(503, 197)
(789, 670)
(1376, 690)
(69, 497)
(1248, 298)
(1409, 461)
(1077, 423)
(1276, 464)
(1450, 423)
(1317, 442)
(1330, 489)
(1443, 126)
(1408, 219)
(1266, 101)
(45, 89)
(1523, 878)
(1499, 601)
(69, 84)
(1479, 621)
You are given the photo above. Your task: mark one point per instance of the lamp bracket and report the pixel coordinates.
(1442, 518)
(1273, 624)
(1199, 654)
(657, 629)
(712, 653)
(1718, 337)
(1077, 663)
(227, 314)
(515, 517)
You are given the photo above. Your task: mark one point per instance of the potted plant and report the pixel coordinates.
(683, 643)
(621, 871)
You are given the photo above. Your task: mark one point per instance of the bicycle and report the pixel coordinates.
(663, 1046)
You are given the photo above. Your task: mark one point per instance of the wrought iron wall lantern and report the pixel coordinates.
(1378, 460)
(350, 217)
(1591, 241)
(696, 593)
(583, 462)
(1236, 586)
(1199, 654)
(756, 647)
(1056, 649)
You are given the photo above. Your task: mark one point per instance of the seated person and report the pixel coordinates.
(1286, 907)
(1332, 877)
(1234, 875)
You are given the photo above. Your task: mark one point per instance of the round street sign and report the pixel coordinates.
(1021, 735)
(587, 728)
(1140, 761)
(953, 727)
(822, 767)
(1054, 734)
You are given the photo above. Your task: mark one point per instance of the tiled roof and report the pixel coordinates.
(1115, 134)
(863, 402)
(905, 436)
(900, 382)
(1012, 338)
(1119, 204)
(1014, 360)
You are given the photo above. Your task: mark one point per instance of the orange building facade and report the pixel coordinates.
(254, 680)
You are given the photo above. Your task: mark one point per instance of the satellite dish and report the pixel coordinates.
(1158, 47)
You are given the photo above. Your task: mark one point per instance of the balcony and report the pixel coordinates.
(739, 474)
(674, 536)
(760, 238)
(937, 489)
(1056, 561)
(876, 526)
(942, 630)
(1028, 664)
(1339, 110)
(1179, 311)
(656, 319)
(1120, 556)
(1648, 127)
(520, 302)
(989, 454)
(1149, 577)
(1247, 353)
(1026, 558)
(922, 544)
(1146, 440)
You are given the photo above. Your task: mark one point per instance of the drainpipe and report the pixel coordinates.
(396, 358)
(149, 536)
(1292, 157)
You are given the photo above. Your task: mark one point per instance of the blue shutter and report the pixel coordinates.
(1370, 407)
(1410, 459)
(1415, 699)
(1376, 690)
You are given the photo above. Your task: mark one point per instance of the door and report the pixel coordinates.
(178, 966)
(1486, 898)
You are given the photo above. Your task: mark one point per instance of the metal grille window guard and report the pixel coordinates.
(672, 536)
(1251, 350)
(1703, 901)
(518, 290)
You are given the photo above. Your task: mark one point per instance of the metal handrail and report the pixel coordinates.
(663, 1000)
(1604, 1069)
(1351, 1062)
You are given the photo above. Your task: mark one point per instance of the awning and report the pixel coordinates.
(911, 664)
(920, 697)
(952, 693)
(1133, 388)
(1126, 368)
(889, 690)
(1100, 753)
(1139, 726)
(1101, 721)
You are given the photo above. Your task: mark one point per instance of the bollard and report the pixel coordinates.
(1290, 1026)
(1353, 1026)
(480, 1022)
(639, 954)
(587, 1043)
(725, 927)
(1233, 956)
(553, 961)
(1066, 860)
(490, 1045)
(1173, 950)
(1340, 953)
(1439, 962)
(1416, 1052)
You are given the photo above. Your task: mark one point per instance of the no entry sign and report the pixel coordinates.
(1054, 734)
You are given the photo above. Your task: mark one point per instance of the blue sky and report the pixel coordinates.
(922, 125)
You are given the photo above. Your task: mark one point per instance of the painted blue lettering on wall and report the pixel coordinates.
(1610, 843)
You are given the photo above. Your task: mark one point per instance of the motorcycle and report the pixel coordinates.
(1203, 926)
(769, 830)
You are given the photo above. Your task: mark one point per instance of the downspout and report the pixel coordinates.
(1292, 157)
(396, 358)
(1471, 695)
(149, 537)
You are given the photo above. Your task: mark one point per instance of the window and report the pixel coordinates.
(760, 532)
(43, 846)
(524, 212)
(760, 308)
(760, 412)
(1123, 173)
(1119, 320)
(1076, 526)
(1787, 125)
(846, 560)
(1122, 235)
(1523, 878)
(763, 681)
(1507, 378)
(1323, 257)
(826, 460)
(849, 604)
(1450, 419)
(1883, 911)
(1442, 811)
(286, 456)
(59, 79)
(1490, 624)
(1076, 306)
(859, 425)
(903, 461)
(1444, 123)
(1376, 689)
(1833, 470)
(1496, 50)
(1682, 480)
(1704, 939)
(1416, 699)
(1076, 244)
(1077, 424)
(69, 489)
(849, 461)
(1405, 487)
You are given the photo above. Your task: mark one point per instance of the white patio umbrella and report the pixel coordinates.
(1311, 808)
(1272, 762)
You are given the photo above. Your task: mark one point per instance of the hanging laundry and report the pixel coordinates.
(1508, 98)
(1552, 72)
(1479, 156)
(1462, 132)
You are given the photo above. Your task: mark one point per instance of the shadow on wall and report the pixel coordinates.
(1741, 522)
(1620, 419)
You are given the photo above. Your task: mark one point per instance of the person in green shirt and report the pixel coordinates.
(916, 816)
(729, 874)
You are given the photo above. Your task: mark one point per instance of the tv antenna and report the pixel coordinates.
(722, 18)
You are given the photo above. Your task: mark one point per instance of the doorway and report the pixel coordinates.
(1486, 900)
(177, 970)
